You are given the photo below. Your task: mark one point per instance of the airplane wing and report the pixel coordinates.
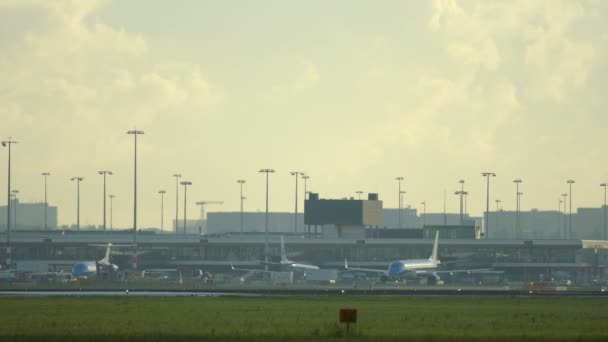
(248, 269)
(373, 270)
(478, 270)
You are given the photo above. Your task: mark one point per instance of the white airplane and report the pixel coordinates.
(413, 268)
(285, 262)
(88, 269)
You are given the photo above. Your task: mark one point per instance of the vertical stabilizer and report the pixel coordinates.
(283, 252)
(433, 257)
(106, 258)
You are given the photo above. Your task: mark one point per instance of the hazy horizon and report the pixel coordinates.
(355, 93)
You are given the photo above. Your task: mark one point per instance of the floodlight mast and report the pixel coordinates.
(46, 203)
(185, 184)
(162, 208)
(570, 182)
(487, 175)
(135, 133)
(295, 220)
(8, 143)
(104, 173)
(266, 251)
(177, 176)
(399, 179)
(78, 180)
(241, 182)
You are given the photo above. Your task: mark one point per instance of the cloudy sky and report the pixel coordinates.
(355, 93)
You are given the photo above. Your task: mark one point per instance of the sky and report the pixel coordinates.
(355, 93)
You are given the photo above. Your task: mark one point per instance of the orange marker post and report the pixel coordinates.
(348, 316)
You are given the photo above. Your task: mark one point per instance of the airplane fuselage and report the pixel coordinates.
(410, 269)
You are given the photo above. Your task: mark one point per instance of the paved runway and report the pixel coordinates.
(303, 292)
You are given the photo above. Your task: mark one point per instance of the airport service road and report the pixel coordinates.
(303, 292)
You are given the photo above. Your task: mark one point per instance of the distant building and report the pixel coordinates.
(253, 222)
(29, 216)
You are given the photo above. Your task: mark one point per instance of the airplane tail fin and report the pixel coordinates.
(283, 252)
(106, 258)
(433, 257)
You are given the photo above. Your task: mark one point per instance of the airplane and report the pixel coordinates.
(285, 262)
(413, 268)
(89, 269)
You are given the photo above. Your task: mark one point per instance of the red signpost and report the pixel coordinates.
(348, 316)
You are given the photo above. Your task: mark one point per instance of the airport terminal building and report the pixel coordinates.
(352, 230)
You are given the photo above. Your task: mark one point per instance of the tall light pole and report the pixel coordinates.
(185, 184)
(461, 193)
(177, 176)
(104, 173)
(135, 133)
(497, 209)
(359, 193)
(604, 185)
(111, 200)
(306, 178)
(464, 195)
(487, 175)
(46, 203)
(570, 182)
(564, 195)
(241, 182)
(8, 143)
(295, 218)
(399, 179)
(16, 200)
(162, 209)
(519, 194)
(267, 172)
(78, 180)
(517, 228)
(424, 213)
(402, 193)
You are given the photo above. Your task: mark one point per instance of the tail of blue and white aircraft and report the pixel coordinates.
(284, 259)
(106, 258)
(433, 258)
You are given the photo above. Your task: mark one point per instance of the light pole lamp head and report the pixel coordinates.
(570, 181)
(111, 196)
(241, 181)
(161, 191)
(487, 174)
(184, 183)
(517, 181)
(105, 172)
(177, 175)
(461, 181)
(79, 179)
(399, 178)
(305, 176)
(604, 184)
(46, 174)
(135, 132)
(267, 170)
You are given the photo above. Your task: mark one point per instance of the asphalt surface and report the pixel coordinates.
(306, 292)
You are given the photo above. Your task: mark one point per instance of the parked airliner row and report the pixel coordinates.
(412, 269)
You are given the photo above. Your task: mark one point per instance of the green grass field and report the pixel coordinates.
(302, 318)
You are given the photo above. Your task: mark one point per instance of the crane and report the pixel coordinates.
(203, 214)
